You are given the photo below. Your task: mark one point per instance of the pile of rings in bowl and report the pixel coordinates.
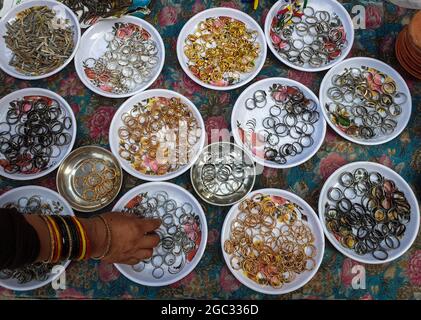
(272, 240)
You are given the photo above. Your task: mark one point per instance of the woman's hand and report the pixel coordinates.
(132, 238)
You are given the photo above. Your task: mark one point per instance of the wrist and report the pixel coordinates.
(96, 235)
(43, 235)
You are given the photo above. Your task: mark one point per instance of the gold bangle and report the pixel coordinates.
(108, 248)
(83, 239)
(52, 242)
(56, 231)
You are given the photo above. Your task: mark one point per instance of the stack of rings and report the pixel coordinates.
(128, 62)
(95, 180)
(367, 213)
(36, 271)
(307, 37)
(288, 128)
(34, 132)
(365, 103)
(225, 176)
(158, 135)
(180, 232)
(220, 50)
(270, 241)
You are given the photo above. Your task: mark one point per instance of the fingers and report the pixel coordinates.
(131, 262)
(149, 241)
(149, 225)
(140, 256)
(144, 254)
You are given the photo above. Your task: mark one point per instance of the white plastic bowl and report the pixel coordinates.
(358, 62)
(48, 196)
(411, 228)
(61, 10)
(242, 115)
(319, 242)
(65, 150)
(117, 123)
(331, 6)
(191, 25)
(180, 195)
(93, 45)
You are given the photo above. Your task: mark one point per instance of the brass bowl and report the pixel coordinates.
(223, 174)
(100, 167)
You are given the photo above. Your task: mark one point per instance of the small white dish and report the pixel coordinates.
(241, 115)
(62, 12)
(192, 24)
(65, 150)
(359, 62)
(411, 228)
(117, 123)
(319, 242)
(48, 196)
(331, 6)
(94, 45)
(181, 196)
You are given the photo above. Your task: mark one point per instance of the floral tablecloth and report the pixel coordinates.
(212, 279)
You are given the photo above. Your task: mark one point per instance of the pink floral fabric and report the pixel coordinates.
(212, 279)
